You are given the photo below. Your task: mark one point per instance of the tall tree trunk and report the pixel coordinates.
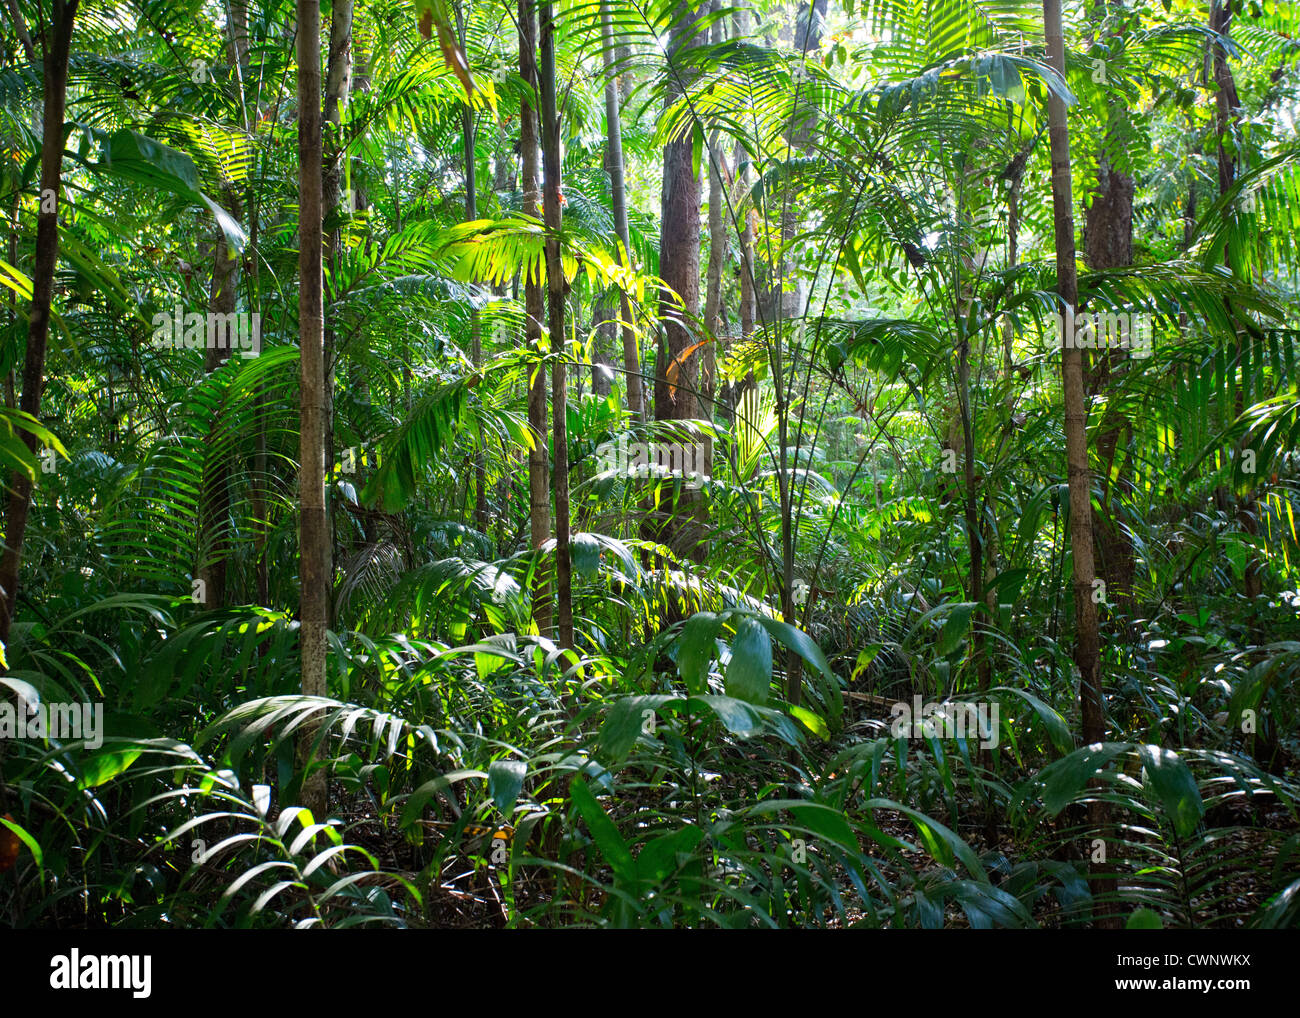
(679, 526)
(555, 293)
(1108, 244)
(679, 264)
(614, 165)
(748, 309)
(258, 493)
(539, 509)
(1227, 122)
(976, 533)
(214, 501)
(602, 333)
(469, 134)
(787, 303)
(1087, 640)
(313, 571)
(238, 43)
(20, 26)
(717, 253)
(787, 298)
(338, 83)
(989, 494)
(56, 41)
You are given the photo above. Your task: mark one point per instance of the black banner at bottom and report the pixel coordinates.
(149, 970)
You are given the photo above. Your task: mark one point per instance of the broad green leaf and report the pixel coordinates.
(954, 630)
(940, 840)
(659, 857)
(108, 763)
(811, 721)
(624, 724)
(696, 649)
(147, 161)
(1064, 779)
(1057, 729)
(584, 553)
(822, 820)
(505, 779)
(16, 280)
(797, 640)
(737, 716)
(603, 832)
(749, 672)
(1171, 780)
(415, 804)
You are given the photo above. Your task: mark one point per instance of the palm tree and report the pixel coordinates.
(539, 513)
(555, 294)
(1087, 645)
(314, 538)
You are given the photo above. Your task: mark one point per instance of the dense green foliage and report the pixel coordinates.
(715, 749)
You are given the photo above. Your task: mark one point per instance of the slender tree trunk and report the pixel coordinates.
(787, 298)
(539, 513)
(1108, 244)
(56, 41)
(338, 84)
(1227, 123)
(214, 502)
(24, 39)
(679, 267)
(469, 135)
(679, 525)
(1087, 640)
(975, 533)
(555, 293)
(618, 190)
(748, 309)
(258, 486)
(602, 364)
(314, 534)
(261, 404)
(717, 253)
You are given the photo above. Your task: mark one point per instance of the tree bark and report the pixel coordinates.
(1227, 118)
(679, 267)
(1108, 244)
(469, 135)
(1087, 641)
(215, 502)
(615, 166)
(679, 525)
(20, 26)
(555, 293)
(602, 332)
(56, 41)
(314, 536)
(787, 298)
(338, 84)
(717, 254)
(748, 309)
(539, 513)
